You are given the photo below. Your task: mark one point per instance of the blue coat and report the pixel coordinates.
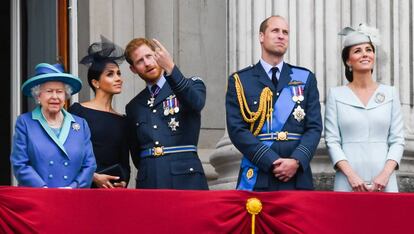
(149, 128)
(40, 159)
(254, 79)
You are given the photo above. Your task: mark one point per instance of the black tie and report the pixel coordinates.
(274, 78)
(155, 89)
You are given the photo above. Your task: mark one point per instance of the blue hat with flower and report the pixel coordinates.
(47, 72)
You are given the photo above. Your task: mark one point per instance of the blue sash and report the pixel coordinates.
(282, 109)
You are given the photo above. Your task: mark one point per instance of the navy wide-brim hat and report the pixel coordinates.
(47, 72)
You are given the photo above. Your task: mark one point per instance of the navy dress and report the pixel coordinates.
(108, 136)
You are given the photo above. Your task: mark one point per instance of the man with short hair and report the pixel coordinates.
(164, 120)
(273, 116)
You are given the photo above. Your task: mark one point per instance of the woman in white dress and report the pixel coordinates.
(363, 123)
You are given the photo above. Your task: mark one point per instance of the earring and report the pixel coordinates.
(97, 87)
(350, 68)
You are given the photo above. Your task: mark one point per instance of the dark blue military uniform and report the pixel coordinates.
(163, 134)
(254, 79)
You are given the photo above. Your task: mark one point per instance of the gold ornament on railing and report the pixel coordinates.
(264, 111)
(253, 206)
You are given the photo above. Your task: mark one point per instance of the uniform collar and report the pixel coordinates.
(267, 67)
(161, 81)
(64, 133)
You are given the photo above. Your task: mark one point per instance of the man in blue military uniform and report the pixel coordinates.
(164, 120)
(275, 120)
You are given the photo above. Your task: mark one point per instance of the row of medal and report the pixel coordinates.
(297, 89)
(170, 105)
(297, 93)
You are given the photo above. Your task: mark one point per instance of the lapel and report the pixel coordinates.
(145, 97)
(68, 119)
(345, 95)
(67, 124)
(380, 97)
(262, 77)
(284, 77)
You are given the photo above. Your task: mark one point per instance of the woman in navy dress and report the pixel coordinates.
(108, 128)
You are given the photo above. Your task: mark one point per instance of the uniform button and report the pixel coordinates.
(155, 126)
(136, 124)
(51, 162)
(255, 102)
(66, 164)
(277, 94)
(191, 169)
(50, 176)
(157, 142)
(65, 177)
(154, 111)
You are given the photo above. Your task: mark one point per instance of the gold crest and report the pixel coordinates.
(250, 173)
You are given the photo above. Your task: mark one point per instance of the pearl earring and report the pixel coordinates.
(350, 68)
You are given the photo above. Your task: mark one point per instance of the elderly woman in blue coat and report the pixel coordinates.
(363, 122)
(51, 147)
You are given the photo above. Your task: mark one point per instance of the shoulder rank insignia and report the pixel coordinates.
(299, 113)
(195, 78)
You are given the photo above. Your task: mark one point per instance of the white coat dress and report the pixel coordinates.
(365, 136)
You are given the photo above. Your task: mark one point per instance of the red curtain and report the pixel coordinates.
(29, 210)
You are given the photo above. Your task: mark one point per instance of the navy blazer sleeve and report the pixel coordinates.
(190, 91)
(240, 135)
(313, 125)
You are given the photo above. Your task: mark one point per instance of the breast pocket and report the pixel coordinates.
(142, 129)
(188, 174)
(253, 103)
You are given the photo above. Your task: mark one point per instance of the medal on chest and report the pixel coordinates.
(171, 105)
(299, 113)
(150, 102)
(297, 88)
(155, 89)
(173, 124)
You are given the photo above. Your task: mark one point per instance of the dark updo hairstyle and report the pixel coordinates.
(345, 56)
(95, 71)
(99, 55)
